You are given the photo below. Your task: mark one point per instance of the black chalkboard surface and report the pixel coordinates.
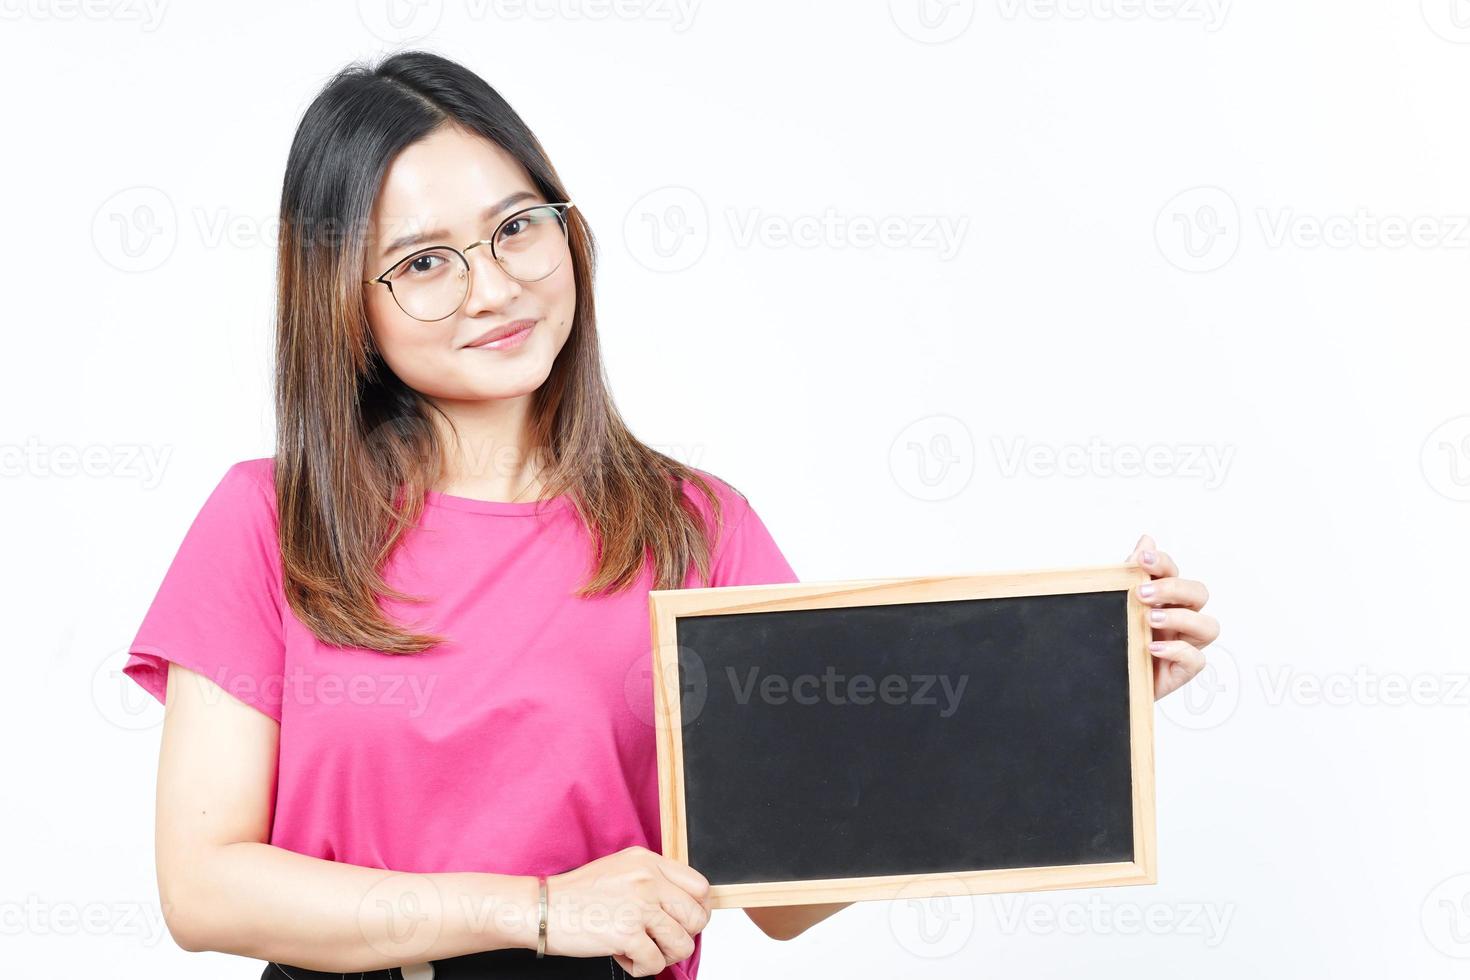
(855, 740)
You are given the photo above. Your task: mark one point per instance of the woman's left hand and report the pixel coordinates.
(1180, 631)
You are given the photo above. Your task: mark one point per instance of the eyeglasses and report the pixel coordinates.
(432, 283)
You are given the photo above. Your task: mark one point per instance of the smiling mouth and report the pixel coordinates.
(503, 336)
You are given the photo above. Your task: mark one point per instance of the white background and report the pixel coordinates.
(1236, 232)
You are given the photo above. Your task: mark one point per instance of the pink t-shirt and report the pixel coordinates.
(523, 745)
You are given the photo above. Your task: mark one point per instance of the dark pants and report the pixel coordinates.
(495, 964)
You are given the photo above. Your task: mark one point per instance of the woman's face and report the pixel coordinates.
(435, 193)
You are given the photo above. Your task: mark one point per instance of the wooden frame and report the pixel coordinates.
(666, 606)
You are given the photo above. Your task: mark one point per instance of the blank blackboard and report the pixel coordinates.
(851, 740)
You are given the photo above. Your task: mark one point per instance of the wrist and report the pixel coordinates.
(519, 915)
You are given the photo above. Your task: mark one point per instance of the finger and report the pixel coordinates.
(1174, 592)
(686, 910)
(1197, 626)
(1144, 541)
(1179, 652)
(1147, 554)
(1176, 663)
(644, 958)
(684, 877)
(673, 940)
(1158, 563)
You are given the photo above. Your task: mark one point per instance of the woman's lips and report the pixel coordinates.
(519, 331)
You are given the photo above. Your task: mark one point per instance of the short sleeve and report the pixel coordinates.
(218, 611)
(748, 554)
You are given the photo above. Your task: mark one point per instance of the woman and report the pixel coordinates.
(429, 607)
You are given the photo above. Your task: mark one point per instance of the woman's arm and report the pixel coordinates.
(225, 890)
(789, 921)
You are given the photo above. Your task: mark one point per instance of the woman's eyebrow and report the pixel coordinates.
(492, 211)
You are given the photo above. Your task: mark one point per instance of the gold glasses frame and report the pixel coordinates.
(559, 207)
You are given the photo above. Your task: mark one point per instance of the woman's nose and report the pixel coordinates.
(491, 288)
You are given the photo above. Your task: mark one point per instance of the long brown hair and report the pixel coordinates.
(356, 448)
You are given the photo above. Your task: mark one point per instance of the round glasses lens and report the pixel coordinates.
(531, 245)
(430, 285)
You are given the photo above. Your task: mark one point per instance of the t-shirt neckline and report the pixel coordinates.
(526, 508)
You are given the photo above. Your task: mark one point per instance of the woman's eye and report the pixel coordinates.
(510, 229)
(422, 265)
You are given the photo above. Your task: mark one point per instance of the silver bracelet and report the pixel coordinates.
(541, 930)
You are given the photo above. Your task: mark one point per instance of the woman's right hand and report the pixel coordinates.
(638, 907)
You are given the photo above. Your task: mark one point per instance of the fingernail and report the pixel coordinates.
(1156, 646)
(1146, 589)
(1156, 616)
(1148, 557)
